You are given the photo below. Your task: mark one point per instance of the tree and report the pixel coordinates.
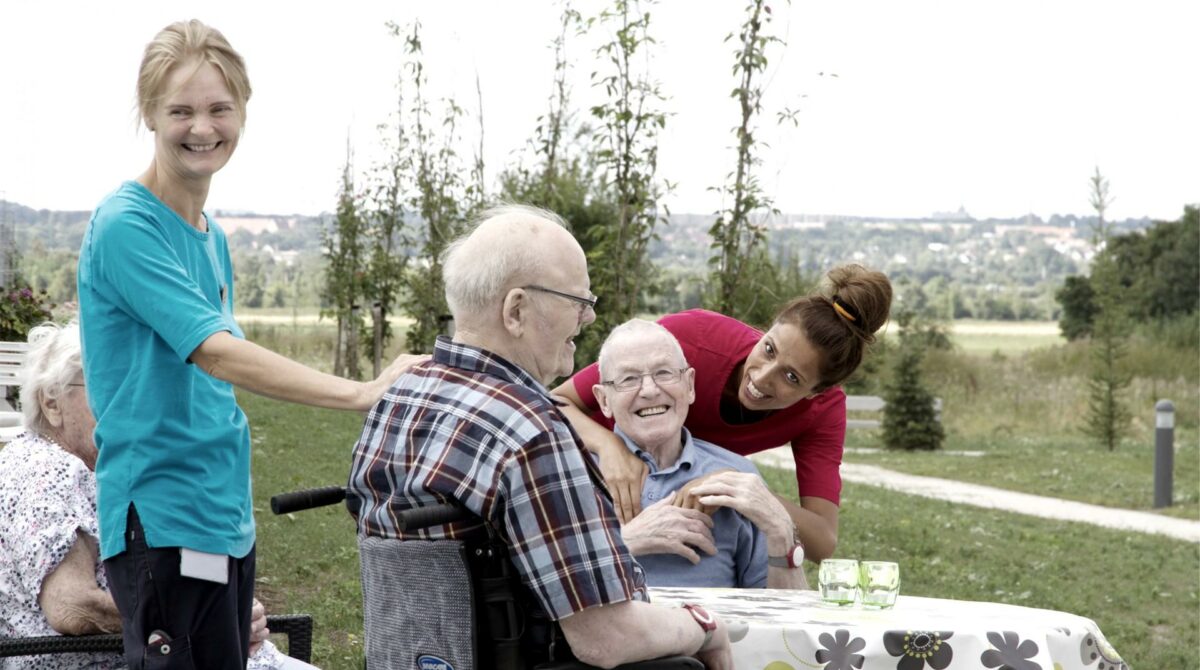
(344, 273)
(910, 419)
(1158, 271)
(438, 197)
(1078, 307)
(387, 234)
(561, 171)
(1107, 417)
(736, 266)
(629, 122)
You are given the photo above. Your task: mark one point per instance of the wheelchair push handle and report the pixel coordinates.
(285, 503)
(417, 518)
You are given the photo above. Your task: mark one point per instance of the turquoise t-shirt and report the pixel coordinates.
(171, 438)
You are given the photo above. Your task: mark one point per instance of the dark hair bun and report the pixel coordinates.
(868, 293)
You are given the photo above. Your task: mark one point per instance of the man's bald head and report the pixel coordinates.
(511, 245)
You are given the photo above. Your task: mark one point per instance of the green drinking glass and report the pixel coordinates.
(838, 580)
(880, 583)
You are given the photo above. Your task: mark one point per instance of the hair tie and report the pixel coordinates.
(846, 311)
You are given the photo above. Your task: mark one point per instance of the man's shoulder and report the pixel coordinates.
(479, 394)
(717, 457)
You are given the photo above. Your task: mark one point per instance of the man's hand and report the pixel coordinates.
(663, 528)
(624, 474)
(258, 626)
(687, 498)
(747, 494)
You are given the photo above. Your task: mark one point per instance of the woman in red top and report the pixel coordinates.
(757, 391)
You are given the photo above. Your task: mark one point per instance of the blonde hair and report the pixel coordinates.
(185, 42)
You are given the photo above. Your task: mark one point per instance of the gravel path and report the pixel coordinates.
(1011, 501)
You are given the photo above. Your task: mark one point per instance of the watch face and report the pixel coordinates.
(796, 556)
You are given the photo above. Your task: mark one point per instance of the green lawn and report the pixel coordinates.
(1071, 468)
(1140, 589)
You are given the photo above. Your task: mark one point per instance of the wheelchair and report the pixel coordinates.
(452, 604)
(297, 627)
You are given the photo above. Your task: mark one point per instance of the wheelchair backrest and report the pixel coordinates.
(418, 605)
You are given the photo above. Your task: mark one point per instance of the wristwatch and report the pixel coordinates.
(707, 622)
(792, 559)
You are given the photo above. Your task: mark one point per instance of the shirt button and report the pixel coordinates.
(651, 496)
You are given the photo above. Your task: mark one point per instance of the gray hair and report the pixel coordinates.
(476, 275)
(53, 362)
(636, 327)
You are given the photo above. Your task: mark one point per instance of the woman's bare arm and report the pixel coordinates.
(70, 598)
(624, 473)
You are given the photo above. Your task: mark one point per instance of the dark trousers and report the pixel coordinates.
(205, 624)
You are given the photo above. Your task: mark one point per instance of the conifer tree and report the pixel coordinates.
(910, 420)
(1108, 416)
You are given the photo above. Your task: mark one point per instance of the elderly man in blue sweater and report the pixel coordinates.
(748, 541)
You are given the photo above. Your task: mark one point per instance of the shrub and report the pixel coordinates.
(909, 418)
(21, 308)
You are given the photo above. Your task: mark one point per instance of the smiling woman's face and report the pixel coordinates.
(782, 369)
(198, 124)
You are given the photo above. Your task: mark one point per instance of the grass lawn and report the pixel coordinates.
(1071, 468)
(1140, 589)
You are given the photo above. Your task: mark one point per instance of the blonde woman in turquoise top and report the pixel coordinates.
(162, 355)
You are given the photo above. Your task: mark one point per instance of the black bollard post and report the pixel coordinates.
(1164, 451)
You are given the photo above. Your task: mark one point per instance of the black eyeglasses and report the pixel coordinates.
(588, 302)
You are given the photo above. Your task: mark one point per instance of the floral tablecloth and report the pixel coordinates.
(793, 630)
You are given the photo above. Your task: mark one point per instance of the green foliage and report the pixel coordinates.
(344, 286)
(1107, 417)
(21, 308)
(1158, 270)
(388, 236)
(910, 420)
(1078, 307)
(441, 199)
(738, 267)
(629, 121)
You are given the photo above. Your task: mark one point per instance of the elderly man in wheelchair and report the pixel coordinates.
(537, 575)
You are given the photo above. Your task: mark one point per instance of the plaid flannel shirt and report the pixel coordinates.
(473, 428)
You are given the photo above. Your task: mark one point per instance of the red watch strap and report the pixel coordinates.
(707, 622)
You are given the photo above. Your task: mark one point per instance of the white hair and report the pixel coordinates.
(477, 273)
(636, 327)
(52, 363)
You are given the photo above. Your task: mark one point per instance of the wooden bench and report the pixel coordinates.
(12, 373)
(874, 404)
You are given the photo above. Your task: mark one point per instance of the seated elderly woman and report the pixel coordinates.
(749, 540)
(51, 578)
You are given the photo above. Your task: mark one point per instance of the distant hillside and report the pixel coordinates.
(995, 268)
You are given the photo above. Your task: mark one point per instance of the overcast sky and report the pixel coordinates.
(1003, 108)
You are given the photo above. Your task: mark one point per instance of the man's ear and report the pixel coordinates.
(689, 377)
(50, 410)
(515, 311)
(601, 394)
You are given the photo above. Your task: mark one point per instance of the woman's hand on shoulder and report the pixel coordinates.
(625, 475)
(375, 389)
